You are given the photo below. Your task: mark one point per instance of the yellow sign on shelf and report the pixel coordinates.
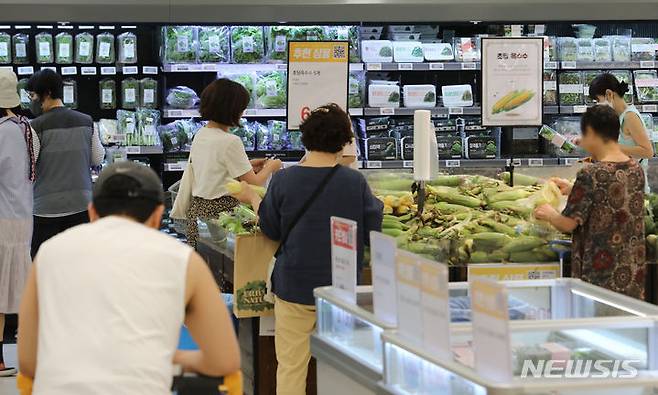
(506, 272)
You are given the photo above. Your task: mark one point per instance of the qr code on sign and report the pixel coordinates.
(339, 52)
(534, 275)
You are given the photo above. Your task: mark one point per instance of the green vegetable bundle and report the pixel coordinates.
(21, 47)
(645, 85)
(70, 94)
(129, 93)
(147, 126)
(127, 124)
(44, 44)
(277, 42)
(84, 48)
(571, 88)
(107, 94)
(182, 97)
(148, 93)
(271, 90)
(246, 133)
(5, 48)
(63, 48)
(179, 44)
(105, 48)
(247, 80)
(247, 44)
(214, 44)
(21, 87)
(356, 90)
(127, 48)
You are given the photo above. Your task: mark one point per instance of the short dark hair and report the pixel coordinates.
(603, 120)
(224, 101)
(604, 82)
(46, 83)
(138, 208)
(327, 129)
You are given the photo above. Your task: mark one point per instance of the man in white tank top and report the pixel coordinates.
(105, 301)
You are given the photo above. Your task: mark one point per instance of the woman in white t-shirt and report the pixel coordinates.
(218, 156)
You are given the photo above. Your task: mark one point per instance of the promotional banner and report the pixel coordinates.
(318, 74)
(512, 81)
(343, 257)
(506, 272)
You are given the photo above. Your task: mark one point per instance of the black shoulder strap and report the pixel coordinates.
(306, 205)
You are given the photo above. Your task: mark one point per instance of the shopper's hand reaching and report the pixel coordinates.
(246, 194)
(564, 185)
(545, 212)
(257, 164)
(273, 165)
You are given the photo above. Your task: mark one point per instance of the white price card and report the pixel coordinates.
(536, 162)
(550, 65)
(436, 309)
(343, 257)
(650, 108)
(130, 70)
(516, 162)
(25, 70)
(469, 66)
(133, 150)
(405, 66)
(282, 66)
(382, 252)
(490, 322)
(387, 111)
(209, 67)
(568, 65)
(409, 296)
(453, 163)
(374, 164)
(647, 64)
(174, 113)
(53, 68)
(70, 70)
(512, 272)
(579, 109)
(175, 167)
(108, 70)
(437, 66)
(86, 70)
(570, 161)
(318, 73)
(373, 66)
(456, 110)
(408, 164)
(149, 70)
(180, 67)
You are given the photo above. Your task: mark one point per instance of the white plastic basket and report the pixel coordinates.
(180, 225)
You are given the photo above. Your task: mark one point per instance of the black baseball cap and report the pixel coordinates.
(148, 183)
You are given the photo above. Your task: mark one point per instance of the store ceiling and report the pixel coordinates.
(267, 11)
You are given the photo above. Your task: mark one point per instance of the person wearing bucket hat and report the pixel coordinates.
(113, 295)
(18, 156)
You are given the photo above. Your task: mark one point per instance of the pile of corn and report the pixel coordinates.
(470, 219)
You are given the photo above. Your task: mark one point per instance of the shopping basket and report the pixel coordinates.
(180, 225)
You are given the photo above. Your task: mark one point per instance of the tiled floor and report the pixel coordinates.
(8, 384)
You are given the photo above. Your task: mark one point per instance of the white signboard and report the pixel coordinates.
(409, 296)
(343, 257)
(317, 75)
(491, 338)
(512, 81)
(382, 262)
(436, 309)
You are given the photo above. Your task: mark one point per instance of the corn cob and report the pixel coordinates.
(479, 257)
(392, 201)
(548, 253)
(447, 181)
(452, 195)
(391, 224)
(526, 257)
(449, 208)
(490, 240)
(514, 194)
(514, 207)
(518, 100)
(392, 218)
(519, 179)
(502, 102)
(498, 256)
(523, 243)
(498, 227)
(234, 187)
(399, 184)
(392, 232)
(388, 209)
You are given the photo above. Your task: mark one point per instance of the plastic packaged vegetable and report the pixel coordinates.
(247, 80)
(646, 84)
(247, 44)
(214, 44)
(148, 93)
(107, 94)
(271, 90)
(246, 133)
(127, 48)
(179, 44)
(105, 48)
(176, 135)
(308, 33)
(21, 87)
(277, 139)
(625, 76)
(467, 49)
(129, 93)
(643, 49)
(84, 48)
(63, 48)
(147, 126)
(602, 50)
(127, 123)
(262, 136)
(356, 90)
(5, 48)
(21, 46)
(277, 42)
(568, 49)
(295, 139)
(550, 88)
(585, 50)
(70, 94)
(588, 77)
(621, 48)
(182, 97)
(44, 43)
(571, 88)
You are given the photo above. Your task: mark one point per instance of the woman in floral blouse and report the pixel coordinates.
(605, 210)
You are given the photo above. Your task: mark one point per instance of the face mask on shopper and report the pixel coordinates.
(35, 107)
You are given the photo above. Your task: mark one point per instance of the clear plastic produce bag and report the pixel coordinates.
(214, 44)
(105, 48)
(21, 87)
(84, 48)
(44, 44)
(271, 90)
(129, 93)
(21, 48)
(247, 44)
(127, 47)
(5, 48)
(107, 93)
(179, 44)
(148, 93)
(64, 48)
(182, 97)
(148, 122)
(70, 94)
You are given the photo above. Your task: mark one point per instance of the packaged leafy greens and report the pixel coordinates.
(214, 44)
(179, 44)
(585, 50)
(182, 97)
(646, 85)
(127, 48)
(247, 44)
(44, 43)
(84, 48)
(643, 49)
(356, 90)
(64, 48)
(550, 88)
(568, 49)
(346, 33)
(308, 33)
(20, 45)
(127, 123)
(602, 50)
(262, 136)
(295, 139)
(276, 139)
(571, 88)
(277, 42)
(246, 133)
(621, 48)
(107, 94)
(176, 135)
(247, 80)
(70, 94)
(148, 93)
(147, 126)
(625, 76)
(105, 48)
(588, 77)
(271, 90)
(129, 93)
(21, 87)
(5, 48)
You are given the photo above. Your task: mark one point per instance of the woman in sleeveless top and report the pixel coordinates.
(17, 159)
(634, 138)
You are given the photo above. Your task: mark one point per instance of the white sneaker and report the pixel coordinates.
(6, 372)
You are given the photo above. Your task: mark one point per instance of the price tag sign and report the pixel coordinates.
(408, 164)
(647, 64)
(387, 111)
(514, 272)
(536, 162)
(490, 322)
(133, 150)
(374, 66)
(130, 70)
(456, 111)
(570, 161)
(9, 68)
(374, 164)
(209, 67)
(250, 112)
(469, 66)
(550, 65)
(516, 162)
(568, 65)
(453, 163)
(318, 73)
(150, 70)
(343, 257)
(25, 70)
(405, 66)
(282, 66)
(437, 66)
(72, 70)
(409, 297)
(650, 108)
(436, 310)
(175, 113)
(88, 70)
(382, 251)
(108, 70)
(180, 67)
(53, 68)
(579, 109)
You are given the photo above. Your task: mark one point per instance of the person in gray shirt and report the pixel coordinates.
(69, 148)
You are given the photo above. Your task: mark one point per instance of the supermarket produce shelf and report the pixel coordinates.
(250, 112)
(144, 150)
(607, 65)
(233, 67)
(436, 66)
(179, 113)
(472, 163)
(435, 111)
